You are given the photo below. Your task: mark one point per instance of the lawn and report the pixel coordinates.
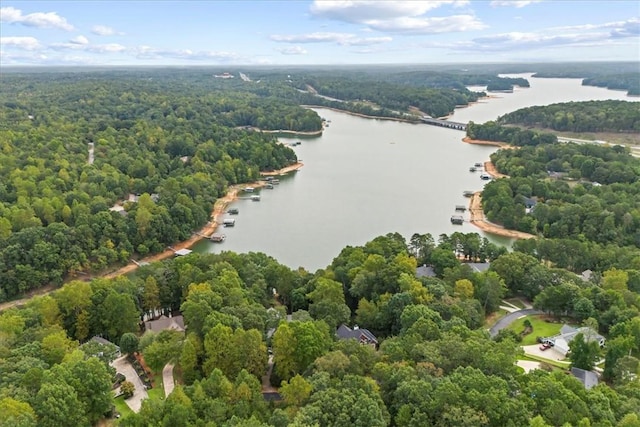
(121, 407)
(557, 365)
(541, 328)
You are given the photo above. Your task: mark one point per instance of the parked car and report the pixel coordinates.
(545, 346)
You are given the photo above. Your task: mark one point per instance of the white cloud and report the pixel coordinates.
(583, 35)
(106, 48)
(95, 48)
(362, 11)
(103, 30)
(12, 15)
(82, 40)
(25, 43)
(410, 25)
(344, 39)
(513, 3)
(148, 52)
(397, 16)
(292, 50)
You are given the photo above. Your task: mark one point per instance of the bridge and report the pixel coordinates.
(444, 123)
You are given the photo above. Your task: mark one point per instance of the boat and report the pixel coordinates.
(229, 222)
(255, 198)
(275, 181)
(485, 177)
(217, 238)
(478, 165)
(472, 169)
(269, 186)
(233, 211)
(461, 208)
(467, 193)
(268, 178)
(248, 189)
(457, 219)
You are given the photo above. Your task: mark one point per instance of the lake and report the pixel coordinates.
(365, 177)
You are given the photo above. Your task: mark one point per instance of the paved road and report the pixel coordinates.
(167, 379)
(123, 366)
(510, 318)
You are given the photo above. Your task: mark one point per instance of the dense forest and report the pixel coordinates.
(99, 166)
(588, 116)
(435, 365)
(589, 193)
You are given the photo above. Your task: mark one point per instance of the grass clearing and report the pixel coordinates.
(122, 407)
(517, 302)
(557, 365)
(542, 327)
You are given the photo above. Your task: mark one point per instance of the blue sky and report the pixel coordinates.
(315, 32)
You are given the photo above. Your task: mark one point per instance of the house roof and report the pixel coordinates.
(425, 271)
(103, 341)
(345, 332)
(588, 378)
(478, 267)
(182, 252)
(568, 333)
(162, 323)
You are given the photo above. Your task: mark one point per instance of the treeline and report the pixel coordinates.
(589, 116)
(492, 131)
(381, 94)
(435, 364)
(160, 154)
(629, 82)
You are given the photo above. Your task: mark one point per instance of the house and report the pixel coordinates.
(163, 323)
(108, 344)
(529, 203)
(562, 341)
(364, 336)
(425, 271)
(588, 378)
(478, 267)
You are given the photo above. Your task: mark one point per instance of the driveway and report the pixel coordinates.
(123, 366)
(167, 379)
(528, 365)
(550, 353)
(510, 318)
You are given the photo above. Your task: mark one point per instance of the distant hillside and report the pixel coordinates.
(589, 116)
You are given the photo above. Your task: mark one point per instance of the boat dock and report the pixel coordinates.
(457, 219)
(461, 208)
(217, 238)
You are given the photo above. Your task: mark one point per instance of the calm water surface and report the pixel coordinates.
(364, 178)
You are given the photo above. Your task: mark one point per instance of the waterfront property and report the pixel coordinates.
(163, 323)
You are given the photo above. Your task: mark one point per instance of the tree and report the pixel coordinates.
(121, 315)
(129, 343)
(295, 391)
(489, 289)
(16, 413)
(127, 388)
(57, 405)
(463, 289)
(328, 303)
(615, 279)
(55, 346)
(584, 352)
(150, 295)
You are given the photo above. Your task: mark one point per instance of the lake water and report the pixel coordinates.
(364, 178)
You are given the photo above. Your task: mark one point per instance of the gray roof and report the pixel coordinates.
(163, 322)
(478, 267)
(588, 378)
(363, 335)
(569, 333)
(103, 341)
(425, 271)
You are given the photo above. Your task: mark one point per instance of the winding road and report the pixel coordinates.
(510, 318)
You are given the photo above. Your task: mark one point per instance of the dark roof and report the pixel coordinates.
(363, 335)
(588, 378)
(103, 341)
(163, 322)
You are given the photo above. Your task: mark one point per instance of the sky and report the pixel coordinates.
(263, 32)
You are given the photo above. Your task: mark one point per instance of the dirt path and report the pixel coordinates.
(478, 219)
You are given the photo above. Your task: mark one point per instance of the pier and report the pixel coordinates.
(444, 123)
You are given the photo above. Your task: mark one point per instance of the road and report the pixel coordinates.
(510, 318)
(167, 379)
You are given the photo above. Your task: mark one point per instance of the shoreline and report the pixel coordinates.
(486, 142)
(219, 209)
(351, 113)
(478, 219)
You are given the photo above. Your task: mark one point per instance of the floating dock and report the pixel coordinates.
(457, 219)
